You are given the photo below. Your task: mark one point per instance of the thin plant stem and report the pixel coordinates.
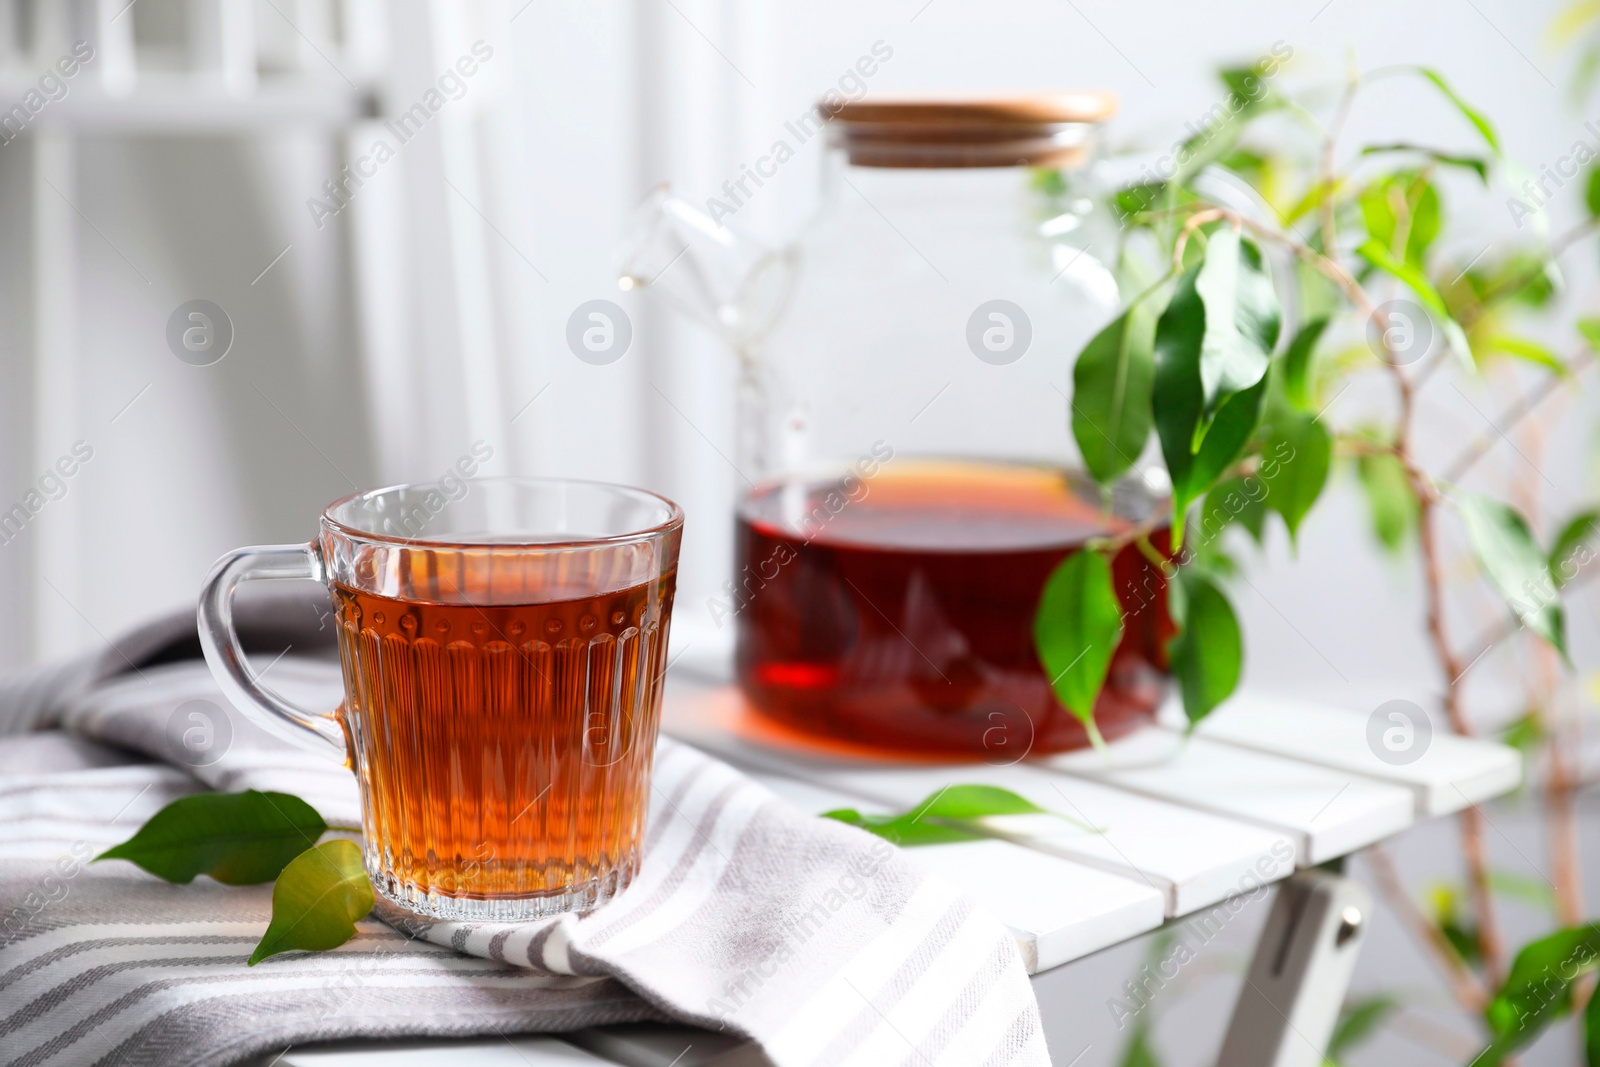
(1466, 987)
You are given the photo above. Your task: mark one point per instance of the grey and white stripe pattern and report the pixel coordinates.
(818, 942)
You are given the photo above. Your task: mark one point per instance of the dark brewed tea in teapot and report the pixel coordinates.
(895, 610)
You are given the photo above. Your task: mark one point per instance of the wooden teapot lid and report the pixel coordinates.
(1037, 129)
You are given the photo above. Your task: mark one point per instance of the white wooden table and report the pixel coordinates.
(1172, 826)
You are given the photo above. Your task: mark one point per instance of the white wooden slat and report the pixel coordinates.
(1327, 813)
(1058, 910)
(1194, 858)
(1451, 774)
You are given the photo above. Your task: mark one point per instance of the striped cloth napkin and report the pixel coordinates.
(814, 940)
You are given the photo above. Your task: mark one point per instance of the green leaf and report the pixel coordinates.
(1390, 498)
(236, 838)
(946, 816)
(1139, 1051)
(1525, 350)
(1208, 655)
(1479, 121)
(1134, 200)
(1358, 1020)
(1076, 630)
(1525, 733)
(1591, 192)
(1590, 328)
(1238, 500)
(1519, 276)
(1585, 69)
(1538, 989)
(1241, 322)
(1230, 432)
(1297, 364)
(1534, 891)
(1295, 457)
(1463, 937)
(1568, 554)
(976, 802)
(317, 900)
(1378, 254)
(1591, 1032)
(1477, 164)
(1312, 200)
(1204, 148)
(1264, 173)
(1398, 207)
(1111, 393)
(906, 831)
(1504, 544)
(1177, 403)
(1250, 91)
(1048, 181)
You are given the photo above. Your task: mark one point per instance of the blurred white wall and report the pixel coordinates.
(504, 215)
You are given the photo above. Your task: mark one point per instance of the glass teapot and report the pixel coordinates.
(904, 375)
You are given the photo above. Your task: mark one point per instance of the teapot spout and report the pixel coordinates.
(732, 285)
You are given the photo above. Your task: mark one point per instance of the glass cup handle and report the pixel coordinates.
(225, 654)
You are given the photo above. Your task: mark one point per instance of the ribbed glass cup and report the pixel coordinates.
(503, 656)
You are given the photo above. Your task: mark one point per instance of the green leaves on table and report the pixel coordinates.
(317, 900)
(1075, 631)
(1208, 653)
(1515, 563)
(906, 831)
(1538, 990)
(954, 813)
(236, 838)
(253, 837)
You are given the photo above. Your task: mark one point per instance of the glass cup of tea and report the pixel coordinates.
(503, 649)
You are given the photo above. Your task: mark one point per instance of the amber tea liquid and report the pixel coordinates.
(896, 611)
(505, 749)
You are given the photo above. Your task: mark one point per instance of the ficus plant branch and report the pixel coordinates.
(1237, 409)
(1466, 986)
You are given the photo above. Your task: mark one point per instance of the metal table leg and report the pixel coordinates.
(1299, 974)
